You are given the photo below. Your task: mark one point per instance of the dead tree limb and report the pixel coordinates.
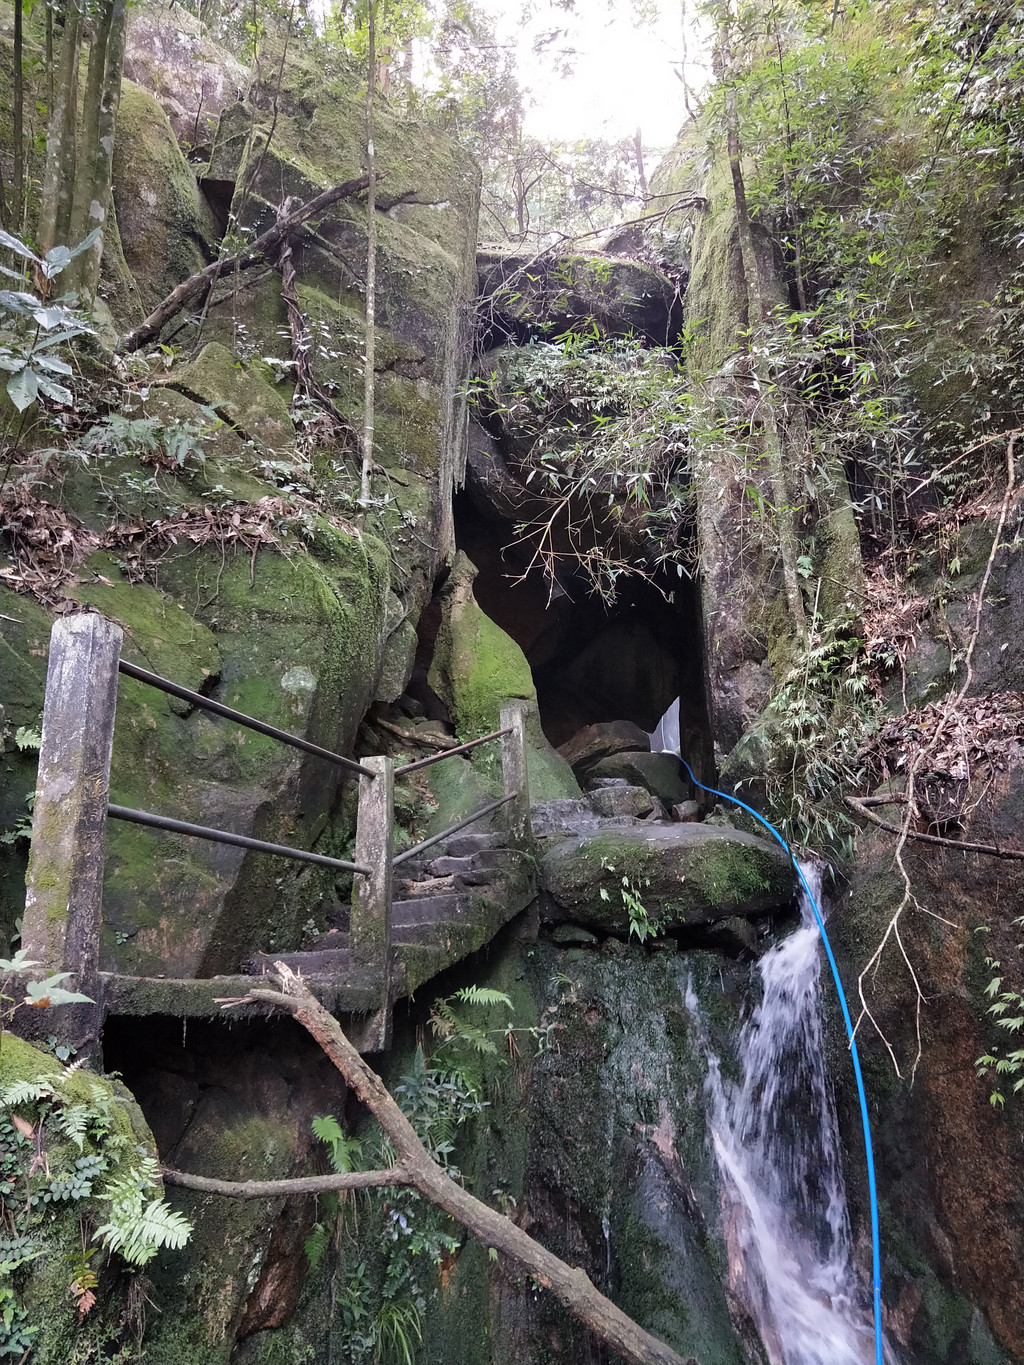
(274, 1189)
(261, 249)
(572, 1286)
(859, 804)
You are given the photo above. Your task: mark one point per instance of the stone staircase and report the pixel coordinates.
(447, 903)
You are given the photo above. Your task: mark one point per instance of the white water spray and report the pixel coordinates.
(777, 1145)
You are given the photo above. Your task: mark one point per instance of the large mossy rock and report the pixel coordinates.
(476, 666)
(114, 1135)
(947, 1159)
(167, 229)
(685, 875)
(621, 296)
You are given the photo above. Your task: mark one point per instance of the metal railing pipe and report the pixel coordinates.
(239, 717)
(220, 836)
(452, 829)
(449, 753)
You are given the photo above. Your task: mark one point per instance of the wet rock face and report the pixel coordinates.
(948, 1162)
(523, 298)
(234, 1102)
(685, 875)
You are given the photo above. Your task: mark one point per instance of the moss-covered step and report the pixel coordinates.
(684, 875)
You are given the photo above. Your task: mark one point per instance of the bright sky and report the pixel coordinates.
(623, 75)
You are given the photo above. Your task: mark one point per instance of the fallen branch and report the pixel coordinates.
(261, 249)
(274, 1189)
(417, 736)
(860, 804)
(571, 1285)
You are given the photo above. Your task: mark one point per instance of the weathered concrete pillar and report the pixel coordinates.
(513, 771)
(370, 923)
(64, 892)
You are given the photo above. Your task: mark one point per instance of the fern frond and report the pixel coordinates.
(315, 1245)
(483, 995)
(26, 1092)
(137, 1233)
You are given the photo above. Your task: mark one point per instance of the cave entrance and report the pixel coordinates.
(592, 662)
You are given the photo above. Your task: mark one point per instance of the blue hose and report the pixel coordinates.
(876, 1260)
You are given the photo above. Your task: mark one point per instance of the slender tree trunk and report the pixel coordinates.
(18, 120)
(638, 147)
(771, 434)
(59, 128)
(95, 156)
(366, 482)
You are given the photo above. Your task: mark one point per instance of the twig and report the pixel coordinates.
(428, 741)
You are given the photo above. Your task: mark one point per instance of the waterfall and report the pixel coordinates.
(777, 1145)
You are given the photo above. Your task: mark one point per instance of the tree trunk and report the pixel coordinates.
(60, 128)
(366, 481)
(95, 155)
(771, 435)
(18, 121)
(416, 1168)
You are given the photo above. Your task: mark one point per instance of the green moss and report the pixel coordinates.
(161, 216)
(682, 878)
(476, 666)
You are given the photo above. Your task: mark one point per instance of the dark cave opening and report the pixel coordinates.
(592, 662)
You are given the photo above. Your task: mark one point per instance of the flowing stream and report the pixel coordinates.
(776, 1141)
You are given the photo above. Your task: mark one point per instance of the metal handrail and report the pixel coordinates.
(450, 753)
(219, 836)
(452, 829)
(239, 717)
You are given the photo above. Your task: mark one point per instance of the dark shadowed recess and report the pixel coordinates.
(592, 662)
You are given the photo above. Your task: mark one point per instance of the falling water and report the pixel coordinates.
(777, 1145)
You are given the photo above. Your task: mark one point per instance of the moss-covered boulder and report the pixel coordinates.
(476, 666)
(167, 230)
(684, 875)
(621, 296)
(240, 397)
(64, 1139)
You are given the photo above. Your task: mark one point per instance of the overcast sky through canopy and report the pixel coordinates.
(623, 74)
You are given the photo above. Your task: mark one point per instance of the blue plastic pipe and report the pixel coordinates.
(876, 1258)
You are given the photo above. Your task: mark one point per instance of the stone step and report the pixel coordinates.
(430, 932)
(426, 909)
(474, 869)
(462, 845)
(325, 962)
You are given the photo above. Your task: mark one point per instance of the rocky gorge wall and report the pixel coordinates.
(594, 1137)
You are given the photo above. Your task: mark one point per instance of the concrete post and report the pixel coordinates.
(370, 923)
(64, 891)
(514, 773)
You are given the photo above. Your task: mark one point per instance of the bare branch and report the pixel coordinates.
(275, 1189)
(261, 249)
(569, 1284)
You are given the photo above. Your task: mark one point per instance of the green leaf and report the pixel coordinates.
(53, 390)
(19, 248)
(23, 388)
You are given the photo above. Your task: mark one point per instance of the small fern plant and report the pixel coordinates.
(139, 1222)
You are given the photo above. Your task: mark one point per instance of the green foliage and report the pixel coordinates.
(33, 330)
(137, 1226)
(1007, 1009)
(62, 1143)
(602, 431)
(631, 895)
(817, 723)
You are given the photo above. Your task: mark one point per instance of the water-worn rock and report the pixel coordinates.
(659, 773)
(624, 800)
(685, 875)
(595, 742)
